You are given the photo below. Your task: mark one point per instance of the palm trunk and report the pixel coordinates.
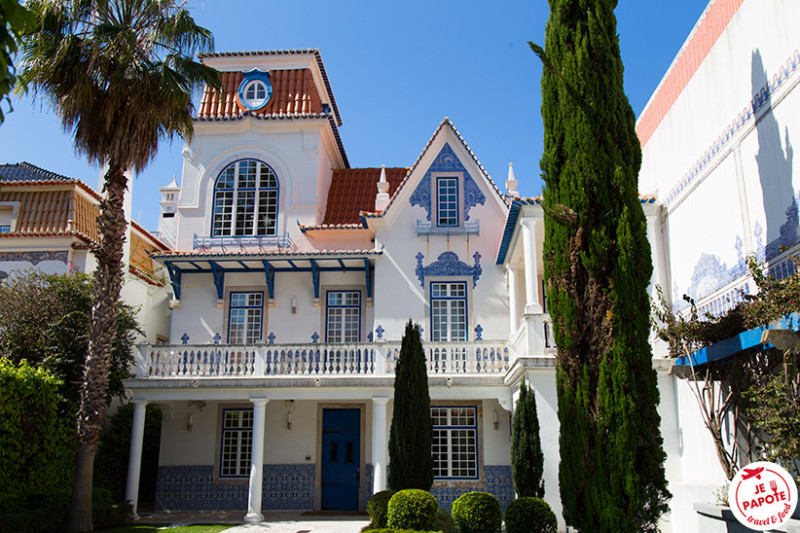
(102, 332)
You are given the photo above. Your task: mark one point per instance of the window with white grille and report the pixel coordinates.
(455, 442)
(246, 317)
(237, 443)
(245, 200)
(343, 316)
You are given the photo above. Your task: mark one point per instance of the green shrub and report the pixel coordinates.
(378, 508)
(477, 512)
(37, 445)
(390, 530)
(530, 515)
(444, 522)
(47, 511)
(412, 509)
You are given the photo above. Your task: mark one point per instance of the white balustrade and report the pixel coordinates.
(175, 361)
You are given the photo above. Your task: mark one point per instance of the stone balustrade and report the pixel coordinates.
(367, 359)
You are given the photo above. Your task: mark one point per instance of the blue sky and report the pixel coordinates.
(397, 69)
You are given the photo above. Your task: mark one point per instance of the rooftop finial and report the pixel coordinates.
(382, 198)
(511, 183)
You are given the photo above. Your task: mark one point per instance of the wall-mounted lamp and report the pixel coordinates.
(289, 405)
(496, 421)
(294, 305)
(190, 423)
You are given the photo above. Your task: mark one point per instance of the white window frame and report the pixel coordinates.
(259, 332)
(239, 445)
(253, 101)
(10, 211)
(236, 209)
(344, 307)
(449, 433)
(435, 199)
(434, 299)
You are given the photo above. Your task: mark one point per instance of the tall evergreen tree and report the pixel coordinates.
(411, 434)
(527, 460)
(597, 269)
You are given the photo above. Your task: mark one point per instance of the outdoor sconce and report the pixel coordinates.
(190, 423)
(496, 421)
(294, 305)
(289, 405)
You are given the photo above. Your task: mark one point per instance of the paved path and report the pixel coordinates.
(274, 521)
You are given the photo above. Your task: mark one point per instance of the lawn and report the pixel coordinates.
(154, 528)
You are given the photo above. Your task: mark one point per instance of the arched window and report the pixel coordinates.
(255, 94)
(245, 200)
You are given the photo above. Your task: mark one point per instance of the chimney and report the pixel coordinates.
(168, 218)
(511, 184)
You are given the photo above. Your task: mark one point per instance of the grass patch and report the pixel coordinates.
(155, 528)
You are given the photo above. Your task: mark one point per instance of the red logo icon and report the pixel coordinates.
(762, 496)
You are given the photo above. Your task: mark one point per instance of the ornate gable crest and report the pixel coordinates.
(448, 264)
(447, 161)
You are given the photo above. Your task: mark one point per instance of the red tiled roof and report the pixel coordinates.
(353, 190)
(293, 92)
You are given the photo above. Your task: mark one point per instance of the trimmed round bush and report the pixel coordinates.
(477, 512)
(530, 515)
(412, 509)
(378, 508)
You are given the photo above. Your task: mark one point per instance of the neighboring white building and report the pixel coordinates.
(293, 276)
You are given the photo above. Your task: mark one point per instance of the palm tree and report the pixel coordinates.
(119, 73)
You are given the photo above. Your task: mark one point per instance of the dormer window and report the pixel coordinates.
(255, 90)
(255, 94)
(245, 200)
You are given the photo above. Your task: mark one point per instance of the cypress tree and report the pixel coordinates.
(597, 268)
(411, 433)
(527, 460)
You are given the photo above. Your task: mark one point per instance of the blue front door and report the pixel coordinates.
(341, 458)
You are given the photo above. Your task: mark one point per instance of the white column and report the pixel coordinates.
(512, 300)
(379, 444)
(256, 462)
(532, 305)
(135, 457)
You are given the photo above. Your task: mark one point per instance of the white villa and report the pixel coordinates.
(292, 277)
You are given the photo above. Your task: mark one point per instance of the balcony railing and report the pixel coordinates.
(277, 241)
(369, 359)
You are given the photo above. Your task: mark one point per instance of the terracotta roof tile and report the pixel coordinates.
(353, 190)
(294, 93)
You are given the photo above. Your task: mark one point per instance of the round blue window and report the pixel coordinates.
(255, 90)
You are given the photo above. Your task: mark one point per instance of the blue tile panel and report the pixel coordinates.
(498, 483)
(192, 488)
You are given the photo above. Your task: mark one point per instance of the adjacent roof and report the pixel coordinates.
(26, 172)
(353, 190)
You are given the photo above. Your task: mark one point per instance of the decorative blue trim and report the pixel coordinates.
(174, 279)
(447, 161)
(315, 277)
(315, 337)
(271, 338)
(185, 338)
(368, 277)
(219, 278)
(379, 331)
(250, 76)
(217, 338)
(269, 273)
(369, 336)
(448, 264)
(34, 258)
(478, 333)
